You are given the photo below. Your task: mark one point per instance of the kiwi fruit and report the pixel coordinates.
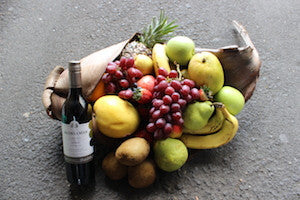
(142, 175)
(133, 151)
(113, 168)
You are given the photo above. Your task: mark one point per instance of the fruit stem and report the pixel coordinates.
(178, 70)
(218, 104)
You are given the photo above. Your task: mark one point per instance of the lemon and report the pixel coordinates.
(115, 117)
(170, 154)
(143, 63)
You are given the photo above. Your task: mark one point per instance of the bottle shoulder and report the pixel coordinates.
(75, 108)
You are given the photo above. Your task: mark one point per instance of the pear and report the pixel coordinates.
(206, 70)
(197, 114)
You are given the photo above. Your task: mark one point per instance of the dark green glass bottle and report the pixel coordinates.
(77, 146)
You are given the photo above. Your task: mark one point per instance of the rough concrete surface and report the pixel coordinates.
(262, 162)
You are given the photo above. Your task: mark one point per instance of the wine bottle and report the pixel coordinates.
(77, 146)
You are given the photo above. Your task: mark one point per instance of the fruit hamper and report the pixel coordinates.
(153, 99)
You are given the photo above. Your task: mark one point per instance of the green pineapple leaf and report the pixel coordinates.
(157, 30)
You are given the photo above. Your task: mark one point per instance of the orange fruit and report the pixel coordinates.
(98, 92)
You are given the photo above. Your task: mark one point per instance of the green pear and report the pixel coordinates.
(170, 154)
(197, 114)
(206, 70)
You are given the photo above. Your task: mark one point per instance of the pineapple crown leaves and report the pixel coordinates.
(156, 31)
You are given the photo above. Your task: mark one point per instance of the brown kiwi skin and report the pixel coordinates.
(133, 151)
(142, 175)
(113, 168)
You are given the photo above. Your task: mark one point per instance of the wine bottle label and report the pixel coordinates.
(76, 139)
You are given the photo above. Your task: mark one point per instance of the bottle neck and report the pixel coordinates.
(75, 79)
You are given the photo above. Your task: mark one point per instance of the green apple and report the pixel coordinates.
(180, 49)
(232, 98)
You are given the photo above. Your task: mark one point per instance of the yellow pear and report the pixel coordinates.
(206, 70)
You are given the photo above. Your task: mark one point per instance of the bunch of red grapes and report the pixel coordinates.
(121, 75)
(170, 97)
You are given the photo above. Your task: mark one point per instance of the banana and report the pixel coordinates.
(160, 58)
(214, 140)
(213, 125)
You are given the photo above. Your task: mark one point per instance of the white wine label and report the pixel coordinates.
(76, 139)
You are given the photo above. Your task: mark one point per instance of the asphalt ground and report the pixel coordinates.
(262, 161)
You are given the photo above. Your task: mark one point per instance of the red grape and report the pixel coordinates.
(110, 88)
(111, 69)
(175, 107)
(111, 63)
(176, 85)
(139, 74)
(160, 123)
(151, 110)
(157, 103)
(118, 74)
(156, 114)
(185, 90)
(180, 122)
(124, 83)
(189, 98)
(132, 72)
(167, 99)
(168, 128)
(195, 93)
(106, 78)
(160, 78)
(169, 90)
(163, 72)
(126, 94)
(157, 95)
(164, 109)
(162, 85)
(182, 103)
(175, 96)
(173, 74)
(151, 127)
(131, 80)
(122, 63)
(129, 63)
(176, 116)
(188, 82)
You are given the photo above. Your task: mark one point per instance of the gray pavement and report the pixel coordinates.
(262, 162)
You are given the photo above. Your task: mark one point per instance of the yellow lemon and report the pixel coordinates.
(143, 63)
(115, 117)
